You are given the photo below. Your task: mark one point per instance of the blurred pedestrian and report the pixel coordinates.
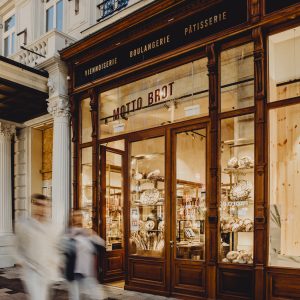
(83, 280)
(37, 249)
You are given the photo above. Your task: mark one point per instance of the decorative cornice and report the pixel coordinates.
(7, 130)
(59, 106)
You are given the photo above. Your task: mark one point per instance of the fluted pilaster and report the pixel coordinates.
(61, 164)
(6, 229)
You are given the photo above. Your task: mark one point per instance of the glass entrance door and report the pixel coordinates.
(167, 210)
(188, 210)
(112, 210)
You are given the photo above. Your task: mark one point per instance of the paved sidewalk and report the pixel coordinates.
(11, 288)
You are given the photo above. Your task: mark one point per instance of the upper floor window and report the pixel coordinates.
(54, 15)
(9, 35)
(108, 7)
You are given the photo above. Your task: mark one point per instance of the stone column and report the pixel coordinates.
(61, 163)
(6, 229)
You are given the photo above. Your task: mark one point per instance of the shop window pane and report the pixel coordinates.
(120, 145)
(114, 202)
(86, 193)
(284, 188)
(284, 65)
(237, 190)
(86, 121)
(9, 23)
(147, 196)
(171, 96)
(190, 194)
(49, 18)
(6, 46)
(59, 15)
(237, 78)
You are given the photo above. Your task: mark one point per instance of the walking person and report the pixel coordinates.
(83, 281)
(37, 249)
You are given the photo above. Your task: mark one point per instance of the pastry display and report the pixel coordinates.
(236, 225)
(236, 205)
(149, 197)
(149, 225)
(147, 203)
(144, 240)
(233, 163)
(153, 174)
(240, 191)
(245, 162)
(238, 257)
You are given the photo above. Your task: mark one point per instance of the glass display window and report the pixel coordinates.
(237, 78)
(284, 65)
(171, 96)
(86, 121)
(237, 190)
(114, 201)
(147, 198)
(86, 186)
(190, 194)
(284, 188)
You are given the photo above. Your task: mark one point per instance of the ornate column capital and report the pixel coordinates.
(59, 106)
(7, 130)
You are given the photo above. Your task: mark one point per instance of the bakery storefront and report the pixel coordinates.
(186, 147)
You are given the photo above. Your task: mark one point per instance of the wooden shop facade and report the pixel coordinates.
(186, 147)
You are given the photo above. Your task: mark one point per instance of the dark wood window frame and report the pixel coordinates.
(261, 110)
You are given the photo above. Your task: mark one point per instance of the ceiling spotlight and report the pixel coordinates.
(167, 106)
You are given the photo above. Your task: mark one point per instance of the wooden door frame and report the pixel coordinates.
(172, 191)
(102, 210)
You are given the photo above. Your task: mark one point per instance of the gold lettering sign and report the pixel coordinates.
(198, 26)
(149, 46)
(104, 65)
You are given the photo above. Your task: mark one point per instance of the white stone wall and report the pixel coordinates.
(78, 21)
(21, 176)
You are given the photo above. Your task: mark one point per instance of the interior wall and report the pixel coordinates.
(36, 161)
(191, 157)
(47, 150)
(285, 178)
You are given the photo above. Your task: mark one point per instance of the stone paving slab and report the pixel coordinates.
(11, 288)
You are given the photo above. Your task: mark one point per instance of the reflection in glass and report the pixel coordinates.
(237, 190)
(6, 46)
(9, 23)
(284, 64)
(284, 188)
(59, 15)
(147, 196)
(114, 202)
(49, 18)
(86, 121)
(190, 194)
(237, 78)
(86, 190)
(171, 96)
(12, 43)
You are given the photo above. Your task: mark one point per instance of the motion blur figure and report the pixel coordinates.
(84, 282)
(37, 249)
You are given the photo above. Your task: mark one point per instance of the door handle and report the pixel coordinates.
(171, 244)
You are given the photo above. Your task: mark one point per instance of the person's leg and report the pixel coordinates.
(74, 292)
(44, 289)
(93, 289)
(31, 282)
